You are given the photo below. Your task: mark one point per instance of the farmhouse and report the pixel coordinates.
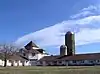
(33, 53)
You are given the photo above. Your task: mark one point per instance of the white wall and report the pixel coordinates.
(8, 63)
(1, 62)
(40, 56)
(27, 63)
(15, 63)
(36, 56)
(30, 56)
(20, 63)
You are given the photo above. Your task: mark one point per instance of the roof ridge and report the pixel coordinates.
(31, 43)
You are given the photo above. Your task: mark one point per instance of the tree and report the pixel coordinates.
(7, 50)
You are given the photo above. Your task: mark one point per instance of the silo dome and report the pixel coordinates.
(69, 32)
(63, 50)
(63, 46)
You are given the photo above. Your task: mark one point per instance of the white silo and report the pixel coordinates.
(63, 50)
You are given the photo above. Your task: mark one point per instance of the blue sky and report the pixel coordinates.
(46, 21)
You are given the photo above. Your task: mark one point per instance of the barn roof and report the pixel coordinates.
(89, 56)
(32, 44)
(17, 57)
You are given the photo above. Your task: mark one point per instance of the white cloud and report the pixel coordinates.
(91, 7)
(90, 10)
(82, 14)
(54, 35)
(86, 36)
(86, 30)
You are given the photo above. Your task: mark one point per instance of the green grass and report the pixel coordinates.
(51, 70)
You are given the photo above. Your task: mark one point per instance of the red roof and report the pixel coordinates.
(91, 56)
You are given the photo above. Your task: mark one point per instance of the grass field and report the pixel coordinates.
(51, 70)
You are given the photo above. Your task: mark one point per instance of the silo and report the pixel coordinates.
(70, 43)
(63, 50)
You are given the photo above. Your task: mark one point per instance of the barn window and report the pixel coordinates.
(40, 62)
(24, 54)
(74, 61)
(33, 54)
(54, 61)
(16, 60)
(98, 60)
(91, 61)
(81, 61)
(60, 62)
(10, 60)
(26, 61)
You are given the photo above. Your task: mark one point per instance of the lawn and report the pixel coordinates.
(51, 70)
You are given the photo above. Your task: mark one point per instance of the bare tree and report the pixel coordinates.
(7, 50)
